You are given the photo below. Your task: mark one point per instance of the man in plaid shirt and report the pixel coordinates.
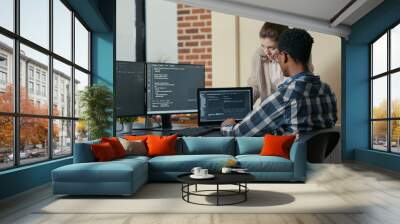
(301, 104)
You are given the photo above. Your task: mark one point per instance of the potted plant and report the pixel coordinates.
(127, 123)
(96, 104)
(81, 131)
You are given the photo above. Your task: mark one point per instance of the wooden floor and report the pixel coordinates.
(379, 189)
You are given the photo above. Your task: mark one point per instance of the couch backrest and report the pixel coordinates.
(206, 145)
(184, 145)
(249, 145)
(83, 153)
(192, 146)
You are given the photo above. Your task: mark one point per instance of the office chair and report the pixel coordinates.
(321, 145)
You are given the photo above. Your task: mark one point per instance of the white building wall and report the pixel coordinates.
(126, 30)
(161, 31)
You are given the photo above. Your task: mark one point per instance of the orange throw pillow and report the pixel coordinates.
(161, 145)
(103, 152)
(116, 145)
(136, 137)
(277, 145)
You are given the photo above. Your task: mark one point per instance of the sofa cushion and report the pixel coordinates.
(133, 158)
(249, 145)
(116, 145)
(257, 163)
(103, 152)
(112, 171)
(136, 137)
(161, 145)
(275, 145)
(208, 145)
(136, 147)
(185, 163)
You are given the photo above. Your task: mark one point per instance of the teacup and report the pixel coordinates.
(196, 171)
(203, 172)
(226, 170)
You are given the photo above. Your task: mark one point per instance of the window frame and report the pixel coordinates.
(16, 114)
(388, 74)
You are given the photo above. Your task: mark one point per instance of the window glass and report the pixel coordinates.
(34, 81)
(379, 56)
(6, 74)
(81, 45)
(395, 136)
(6, 142)
(62, 138)
(30, 88)
(3, 61)
(379, 135)
(395, 95)
(81, 82)
(395, 47)
(81, 131)
(30, 72)
(379, 98)
(34, 21)
(39, 61)
(62, 29)
(33, 140)
(62, 91)
(7, 14)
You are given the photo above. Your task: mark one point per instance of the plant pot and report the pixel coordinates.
(127, 127)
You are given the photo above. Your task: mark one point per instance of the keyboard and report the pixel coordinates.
(197, 131)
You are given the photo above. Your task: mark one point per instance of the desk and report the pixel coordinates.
(168, 132)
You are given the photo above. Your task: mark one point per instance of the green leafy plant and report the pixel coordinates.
(96, 103)
(127, 119)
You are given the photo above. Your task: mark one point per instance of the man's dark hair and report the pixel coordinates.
(272, 30)
(297, 43)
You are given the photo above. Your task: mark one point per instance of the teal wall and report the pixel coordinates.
(103, 49)
(91, 12)
(24, 178)
(99, 16)
(102, 61)
(355, 86)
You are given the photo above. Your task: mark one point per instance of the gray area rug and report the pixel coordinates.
(166, 198)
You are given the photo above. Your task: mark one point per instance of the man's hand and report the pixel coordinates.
(228, 122)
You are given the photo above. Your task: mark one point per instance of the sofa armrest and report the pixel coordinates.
(298, 155)
(83, 152)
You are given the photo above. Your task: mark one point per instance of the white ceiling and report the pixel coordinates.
(319, 9)
(315, 15)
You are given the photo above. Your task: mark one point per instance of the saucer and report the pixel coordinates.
(240, 171)
(208, 176)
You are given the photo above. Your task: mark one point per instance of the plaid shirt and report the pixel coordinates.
(301, 104)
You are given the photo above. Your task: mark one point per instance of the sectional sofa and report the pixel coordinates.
(125, 176)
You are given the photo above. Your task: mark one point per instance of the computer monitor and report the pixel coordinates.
(172, 88)
(130, 89)
(217, 104)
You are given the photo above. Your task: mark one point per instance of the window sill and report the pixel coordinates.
(25, 167)
(382, 159)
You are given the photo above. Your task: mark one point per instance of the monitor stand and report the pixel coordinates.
(166, 122)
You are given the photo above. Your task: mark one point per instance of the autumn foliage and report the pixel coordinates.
(380, 127)
(33, 131)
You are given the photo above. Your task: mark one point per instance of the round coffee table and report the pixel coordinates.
(238, 179)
